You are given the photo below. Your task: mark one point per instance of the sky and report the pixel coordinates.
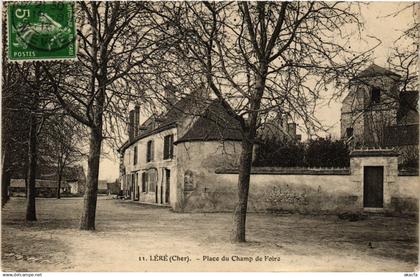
(377, 23)
(384, 27)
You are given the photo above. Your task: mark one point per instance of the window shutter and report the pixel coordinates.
(149, 151)
(171, 146)
(152, 152)
(135, 155)
(166, 148)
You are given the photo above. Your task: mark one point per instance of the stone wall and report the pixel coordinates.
(299, 193)
(407, 196)
(293, 193)
(202, 188)
(197, 186)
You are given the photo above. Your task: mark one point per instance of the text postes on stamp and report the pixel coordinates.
(41, 31)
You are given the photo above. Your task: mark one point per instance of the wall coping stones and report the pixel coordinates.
(288, 171)
(375, 152)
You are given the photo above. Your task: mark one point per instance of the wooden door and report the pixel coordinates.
(373, 187)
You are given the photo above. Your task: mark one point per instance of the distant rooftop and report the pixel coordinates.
(213, 122)
(376, 71)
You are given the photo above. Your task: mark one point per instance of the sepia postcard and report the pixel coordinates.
(196, 136)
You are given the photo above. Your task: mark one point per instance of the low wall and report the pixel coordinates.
(208, 176)
(328, 190)
(407, 197)
(313, 192)
(297, 193)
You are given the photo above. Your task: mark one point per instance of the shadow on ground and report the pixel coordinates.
(129, 235)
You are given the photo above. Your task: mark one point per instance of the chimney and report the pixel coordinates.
(284, 119)
(136, 120)
(131, 125)
(170, 96)
(292, 129)
(204, 92)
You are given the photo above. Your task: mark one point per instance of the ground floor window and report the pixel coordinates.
(152, 179)
(144, 182)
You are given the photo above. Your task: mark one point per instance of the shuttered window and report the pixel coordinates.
(144, 182)
(150, 151)
(168, 147)
(135, 155)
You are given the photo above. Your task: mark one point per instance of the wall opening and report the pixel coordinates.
(373, 187)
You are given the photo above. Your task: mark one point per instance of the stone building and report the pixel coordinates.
(375, 113)
(280, 128)
(187, 158)
(171, 158)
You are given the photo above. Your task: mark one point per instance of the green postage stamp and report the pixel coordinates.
(41, 31)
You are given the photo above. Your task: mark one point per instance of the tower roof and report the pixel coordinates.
(377, 71)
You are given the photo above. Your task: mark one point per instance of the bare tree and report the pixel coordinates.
(14, 120)
(60, 145)
(259, 58)
(404, 57)
(24, 109)
(15, 114)
(115, 41)
(40, 107)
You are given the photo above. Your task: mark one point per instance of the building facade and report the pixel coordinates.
(375, 113)
(187, 158)
(167, 156)
(171, 159)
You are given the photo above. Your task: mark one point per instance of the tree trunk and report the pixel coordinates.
(5, 177)
(5, 170)
(30, 199)
(25, 173)
(87, 221)
(59, 184)
(239, 214)
(32, 151)
(245, 163)
(5, 185)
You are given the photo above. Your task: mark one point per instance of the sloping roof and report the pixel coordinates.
(371, 71)
(377, 71)
(49, 172)
(214, 124)
(155, 124)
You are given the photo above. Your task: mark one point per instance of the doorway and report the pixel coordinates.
(167, 185)
(373, 186)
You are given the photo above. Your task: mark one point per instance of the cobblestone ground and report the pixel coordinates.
(134, 237)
